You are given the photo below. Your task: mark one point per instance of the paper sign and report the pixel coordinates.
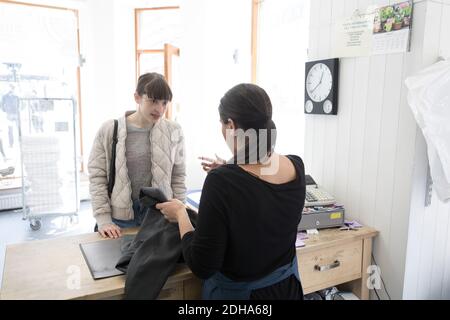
(353, 37)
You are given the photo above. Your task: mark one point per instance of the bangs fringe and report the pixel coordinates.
(158, 89)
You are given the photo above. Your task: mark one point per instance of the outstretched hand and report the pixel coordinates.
(208, 164)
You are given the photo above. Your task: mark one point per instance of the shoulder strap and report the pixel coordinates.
(112, 166)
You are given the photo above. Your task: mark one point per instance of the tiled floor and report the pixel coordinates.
(13, 229)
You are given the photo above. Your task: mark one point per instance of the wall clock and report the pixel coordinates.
(322, 87)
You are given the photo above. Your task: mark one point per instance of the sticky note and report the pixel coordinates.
(336, 215)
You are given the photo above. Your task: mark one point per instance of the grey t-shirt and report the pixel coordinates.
(138, 158)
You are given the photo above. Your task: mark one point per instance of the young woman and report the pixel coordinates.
(149, 152)
(244, 242)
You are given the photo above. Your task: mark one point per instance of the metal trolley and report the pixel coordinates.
(49, 162)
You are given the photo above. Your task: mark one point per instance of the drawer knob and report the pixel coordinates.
(327, 267)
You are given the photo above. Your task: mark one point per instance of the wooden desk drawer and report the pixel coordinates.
(330, 266)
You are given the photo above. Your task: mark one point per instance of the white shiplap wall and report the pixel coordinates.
(427, 274)
(366, 155)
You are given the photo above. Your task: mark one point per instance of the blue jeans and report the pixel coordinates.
(139, 215)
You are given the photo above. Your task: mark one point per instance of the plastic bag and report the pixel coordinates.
(429, 99)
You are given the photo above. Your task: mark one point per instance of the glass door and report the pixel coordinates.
(39, 59)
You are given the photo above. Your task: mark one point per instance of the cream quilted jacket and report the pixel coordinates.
(167, 166)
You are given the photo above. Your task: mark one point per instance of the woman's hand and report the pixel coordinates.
(109, 230)
(208, 164)
(175, 211)
(172, 210)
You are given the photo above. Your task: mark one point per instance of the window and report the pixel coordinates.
(158, 35)
(279, 54)
(39, 53)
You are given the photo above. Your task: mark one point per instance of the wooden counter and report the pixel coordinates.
(48, 269)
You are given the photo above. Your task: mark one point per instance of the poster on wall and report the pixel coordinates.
(382, 30)
(392, 28)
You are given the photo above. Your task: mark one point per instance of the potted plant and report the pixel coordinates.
(386, 13)
(407, 10)
(388, 25)
(398, 21)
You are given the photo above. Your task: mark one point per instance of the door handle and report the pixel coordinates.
(333, 265)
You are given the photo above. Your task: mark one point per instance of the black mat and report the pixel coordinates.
(102, 256)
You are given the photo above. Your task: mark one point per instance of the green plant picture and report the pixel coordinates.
(386, 13)
(407, 10)
(393, 17)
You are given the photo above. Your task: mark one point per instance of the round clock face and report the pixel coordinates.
(319, 82)
(327, 106)
(309, 106)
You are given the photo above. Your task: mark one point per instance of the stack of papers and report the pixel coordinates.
(301, 236)
(351, 225)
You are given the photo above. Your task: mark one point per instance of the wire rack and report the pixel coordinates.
(48, 148)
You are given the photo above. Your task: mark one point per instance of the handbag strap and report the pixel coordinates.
(112, 166)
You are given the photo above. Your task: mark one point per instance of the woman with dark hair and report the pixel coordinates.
(244, 242)
(149, 152)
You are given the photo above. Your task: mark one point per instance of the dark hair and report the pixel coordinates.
(249, 106)
(155, 86)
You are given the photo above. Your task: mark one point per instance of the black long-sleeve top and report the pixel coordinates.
(246, 227)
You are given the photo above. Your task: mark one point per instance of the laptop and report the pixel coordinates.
(102, 256)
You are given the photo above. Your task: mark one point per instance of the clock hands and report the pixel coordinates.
(315, 87)
(321, 78)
